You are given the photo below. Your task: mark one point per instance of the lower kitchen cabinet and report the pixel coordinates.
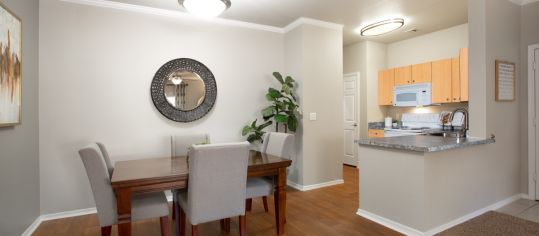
(376, 133)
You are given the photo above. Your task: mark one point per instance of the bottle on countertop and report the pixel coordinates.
(388, 122)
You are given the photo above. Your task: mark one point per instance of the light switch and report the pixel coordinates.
(312, 116)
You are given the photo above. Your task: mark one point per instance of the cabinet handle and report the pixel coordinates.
(413, 81)
(447, 99)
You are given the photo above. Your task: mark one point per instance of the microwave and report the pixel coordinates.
(412, 95)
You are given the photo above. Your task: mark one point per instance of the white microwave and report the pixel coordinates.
(412, 95)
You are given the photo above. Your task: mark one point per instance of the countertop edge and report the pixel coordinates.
(372, 143)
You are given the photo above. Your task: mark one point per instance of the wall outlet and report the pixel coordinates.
(312, 116)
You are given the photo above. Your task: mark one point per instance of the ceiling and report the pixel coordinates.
(424, 15)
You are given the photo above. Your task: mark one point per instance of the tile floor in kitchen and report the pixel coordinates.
(522, 208)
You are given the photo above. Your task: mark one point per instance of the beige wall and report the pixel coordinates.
(529, 36)
(86, 61)
(19, 145)
(314, 56)
(367, 58)
(434, 46)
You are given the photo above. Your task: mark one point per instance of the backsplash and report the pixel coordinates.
(396, 112)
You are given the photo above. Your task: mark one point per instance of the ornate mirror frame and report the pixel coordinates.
(159, 81)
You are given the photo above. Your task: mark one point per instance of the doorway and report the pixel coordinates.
(533, 129)
(351, 118)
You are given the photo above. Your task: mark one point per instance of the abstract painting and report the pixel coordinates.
(10, 67)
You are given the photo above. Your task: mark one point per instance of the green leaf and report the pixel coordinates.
(253, 138)
(292, 123)
(289, 80)
(279, 77)
(280, 118)
(274, 93)
(263, 126)
(247, 129)
(268, 112)
(286, 89)
(253, 125)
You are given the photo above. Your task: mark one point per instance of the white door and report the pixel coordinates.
(350, 103)
(536, 77)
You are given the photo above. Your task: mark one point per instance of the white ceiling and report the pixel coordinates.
(425, 15)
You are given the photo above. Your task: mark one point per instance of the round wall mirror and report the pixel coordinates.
(184, 90)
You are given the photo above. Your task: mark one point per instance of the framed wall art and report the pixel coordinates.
(10, 67)
(505, 81)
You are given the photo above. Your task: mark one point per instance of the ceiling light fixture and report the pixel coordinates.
(382, 27)
(205, 8)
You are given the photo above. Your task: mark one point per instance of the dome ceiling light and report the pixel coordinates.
(205, 8)
(382, 27)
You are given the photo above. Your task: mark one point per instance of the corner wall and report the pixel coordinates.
(19, 145)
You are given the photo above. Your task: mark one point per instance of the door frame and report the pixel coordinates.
(358, 110)
(531, 123)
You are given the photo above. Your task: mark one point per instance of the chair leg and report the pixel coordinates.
(225, 225)
(243, 230)
(248, 204)
(173, 211)
(194, 230)
(105, 231)
(265, 200)
(180, 221)
(164, 225)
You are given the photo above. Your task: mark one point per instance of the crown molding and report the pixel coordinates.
(309, 21)
(172, 14)
(522, 2)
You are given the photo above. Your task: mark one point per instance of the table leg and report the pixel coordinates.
(123, 203)
(280, 200)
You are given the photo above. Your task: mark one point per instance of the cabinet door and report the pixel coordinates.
(422, 73)
(464, 74)
(441, 81)
(403, 75)
(386, 81)
(455, 80)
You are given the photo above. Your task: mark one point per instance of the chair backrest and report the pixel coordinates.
(180, 143)
(279, 144)
(106, 156)
(217, 181)
(98, 174)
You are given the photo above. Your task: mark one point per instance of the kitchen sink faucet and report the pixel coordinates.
(466, 124)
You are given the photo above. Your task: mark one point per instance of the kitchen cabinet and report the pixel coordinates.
(386, 81)
(463, 56)
(441, 81)
(376, 133)
(455, 79)
(422, 73)
(403, 75)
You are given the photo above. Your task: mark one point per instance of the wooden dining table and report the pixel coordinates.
(169, 173)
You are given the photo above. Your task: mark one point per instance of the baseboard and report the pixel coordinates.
(30, 230)
(403, 229)
(313, 186)
(411, 231)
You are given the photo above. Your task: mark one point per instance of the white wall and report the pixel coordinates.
(314, 57)
(19, 145)
(434, 46)
(367, 58)
(96, 68)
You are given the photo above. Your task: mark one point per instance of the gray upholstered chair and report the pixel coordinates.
(179, 146)
(144, 206)
(216, 188)
(276, 144)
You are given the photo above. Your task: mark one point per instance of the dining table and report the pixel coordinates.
(169, 173)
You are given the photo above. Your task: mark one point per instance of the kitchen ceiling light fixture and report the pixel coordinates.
(205, 8)
(382, 27)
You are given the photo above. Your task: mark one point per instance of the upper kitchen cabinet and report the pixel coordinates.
(422, 73)
(386, 81)
(403, 75)
(455, 79)
(441, 81)
(463, 56)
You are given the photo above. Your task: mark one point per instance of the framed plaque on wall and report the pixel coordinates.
(505, 81)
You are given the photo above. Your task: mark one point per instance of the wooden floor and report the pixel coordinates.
(326, 211)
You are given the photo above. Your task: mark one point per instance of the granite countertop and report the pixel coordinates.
(424, 143)
(377, 125)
